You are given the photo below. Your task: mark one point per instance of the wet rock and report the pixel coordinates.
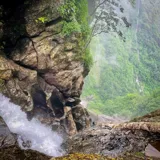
(81, 117)
(15, 153)
(108, 142)
(6, 137)
(73, 101)
(9, 149)
(117, 139)
(69, 121)
(57, 103)
(38, 96)
(18, 82)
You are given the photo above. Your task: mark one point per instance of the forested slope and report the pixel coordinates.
(125, 74)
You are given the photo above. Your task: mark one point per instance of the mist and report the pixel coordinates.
(124, 76)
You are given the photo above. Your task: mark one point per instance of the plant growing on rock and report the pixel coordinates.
(70, 27)
(68, 10)
(75, 15)
(41, 20)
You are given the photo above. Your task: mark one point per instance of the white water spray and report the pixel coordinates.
(40, 137)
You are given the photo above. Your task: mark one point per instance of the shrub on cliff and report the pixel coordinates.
(75, 15)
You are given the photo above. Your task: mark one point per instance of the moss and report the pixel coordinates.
(139, 154)
(81, 156)
(70, 27)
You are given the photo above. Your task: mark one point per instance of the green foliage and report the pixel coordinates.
(129, 106)
(112, 80)
(86, 31)
(82, 17)
(75, 15)
(68, 10)
(70, 27)
(41, 20)
(87, 59)
(124, 75)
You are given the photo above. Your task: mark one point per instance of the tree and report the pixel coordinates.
(105, 17)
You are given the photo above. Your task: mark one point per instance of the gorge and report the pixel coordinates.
(47, 48)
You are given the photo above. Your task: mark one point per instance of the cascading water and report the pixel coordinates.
(38, 136)
(138, 5)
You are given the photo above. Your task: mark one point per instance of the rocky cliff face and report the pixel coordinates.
(34, 52)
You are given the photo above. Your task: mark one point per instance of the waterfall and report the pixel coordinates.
(140, 87)
(31, 134)
(138, 5)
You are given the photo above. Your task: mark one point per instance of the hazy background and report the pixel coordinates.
(125, 76)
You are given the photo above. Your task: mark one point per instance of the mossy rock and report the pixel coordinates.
(81, 156)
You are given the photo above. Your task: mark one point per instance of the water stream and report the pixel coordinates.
(138, 7)
(31, 134)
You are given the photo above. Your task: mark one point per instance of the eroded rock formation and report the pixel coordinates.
(35, 52)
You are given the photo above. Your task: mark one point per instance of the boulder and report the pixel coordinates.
(107, 141)
(81, 117)
(118, 139)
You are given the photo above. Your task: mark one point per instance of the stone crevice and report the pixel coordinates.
(54, 21)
